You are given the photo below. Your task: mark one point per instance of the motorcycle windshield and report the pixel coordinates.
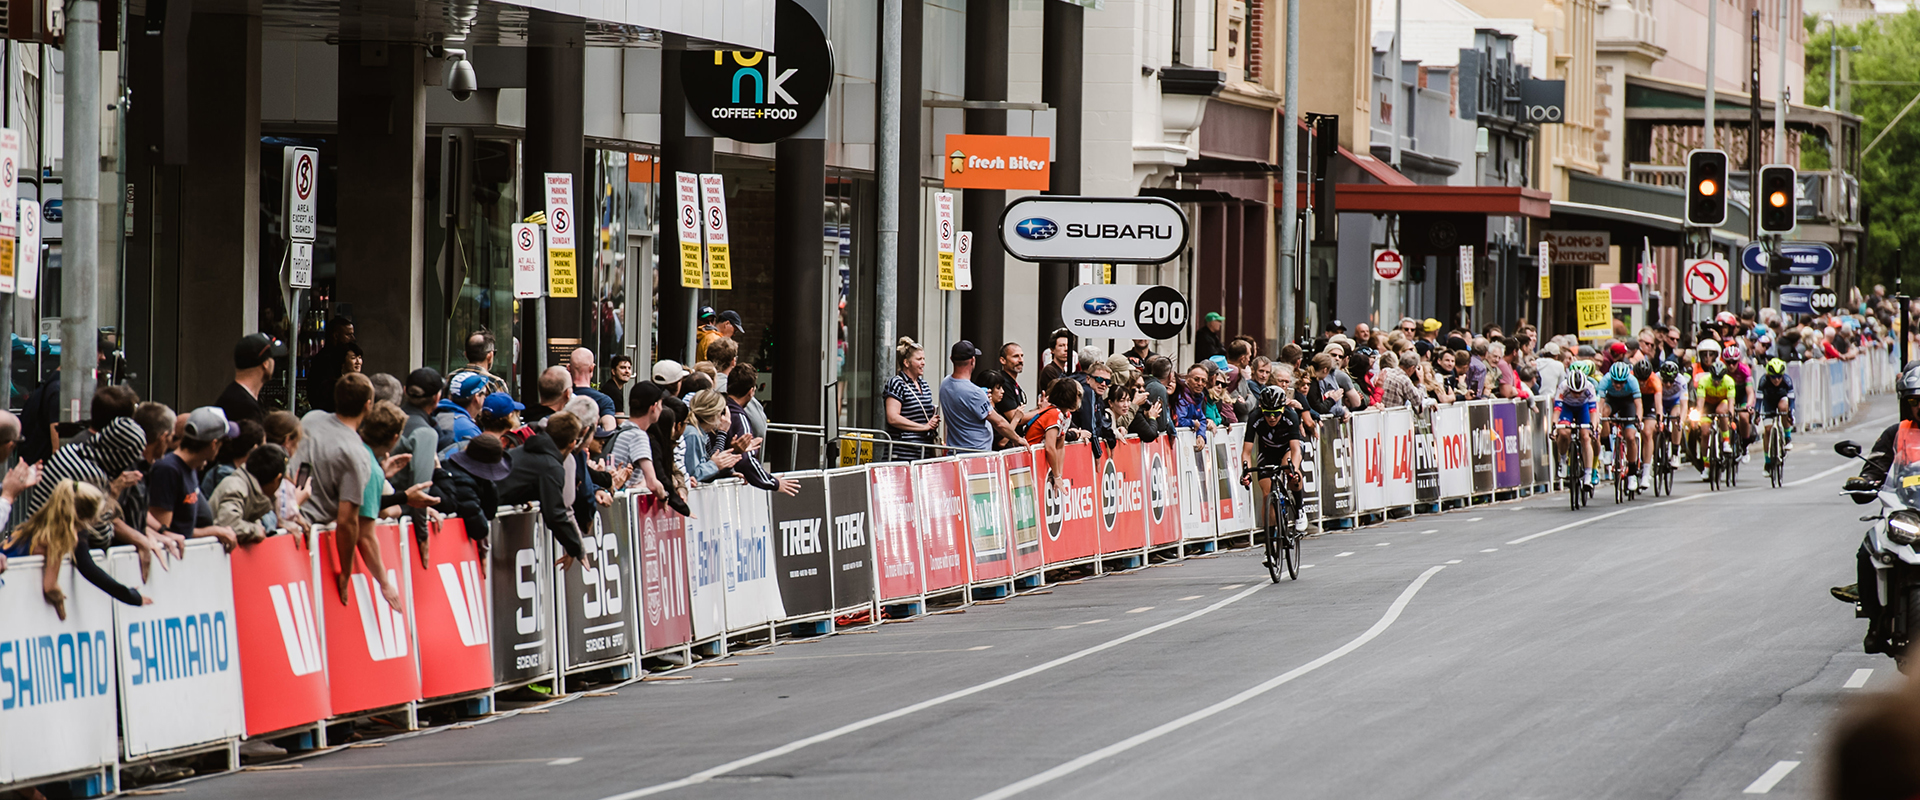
(1903, 478)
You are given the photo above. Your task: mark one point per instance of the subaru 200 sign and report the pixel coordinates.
(1124, 230)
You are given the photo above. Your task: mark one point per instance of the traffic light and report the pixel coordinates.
(1776, 197)
(1706, 187)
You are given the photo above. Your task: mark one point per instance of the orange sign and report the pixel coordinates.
(997, 162)
(642, 168)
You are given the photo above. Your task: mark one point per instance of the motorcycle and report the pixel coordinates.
(1890, 592)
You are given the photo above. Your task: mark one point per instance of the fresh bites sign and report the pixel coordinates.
(758, 96)
(1120, 230)
(998, 162)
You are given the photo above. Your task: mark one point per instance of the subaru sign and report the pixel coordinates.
(1114, 230)
(1100, 306)
(1809, 258)
(1101, 311)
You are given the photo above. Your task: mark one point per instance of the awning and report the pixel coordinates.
(1632, 210)
(1627, 221)
(1380, 170)
(1624, 294)
(1493, 201)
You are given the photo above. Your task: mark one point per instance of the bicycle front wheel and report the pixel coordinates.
(1293, 556)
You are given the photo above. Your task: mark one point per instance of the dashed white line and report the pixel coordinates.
(1061, 627)
(1455, 561)
(978, 648)
(1383, 544)
(1765, 782)
(1231, 588)
(561, 762)
(1345, 554)
(1140, 610)
(1475, 519)
(1858, 679)
(1491, 550)
(1093, 622)
(1818, 475)
(1430, 530)
(1306, 566)
(1192, 597)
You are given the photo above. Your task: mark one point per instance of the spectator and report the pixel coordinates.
(708, 332)
(1138, 354)
(580, 471)
(1326, 398)
(343, 489)
(994, 384)
(156, 423)
(537, 475)
(479, 349)
(1049, 426)
(619, 381)
(1093, 415)
(454, 415)
(1013, 399)
(1431, 383)
(1159, 373)
(386, 388)
(500, 415)
(356, 360)
(420, 441)
(55, 532)
(329, 364)
(1477, 369)
(173, 485)
(231, 456)
(1551, 369)
(1059, 358)
(244, 501)
(380, 431)
(1219, 408)
(971, 420)
(725, 325)
(555, 387)
(1143, 415)
(667, 374)
(9, 441)
(1240, 357)
(253, 361)
(912, 417)
(472, 475)
(283, 431)
(580, 366)
(1206, 341)
(710, 456)
(665, 434)
(632, 444)
(742, 405)
(1396, 389)
(1190, 400)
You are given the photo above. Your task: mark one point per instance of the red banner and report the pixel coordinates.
(942, 512)
(369, 653)
(1123, 523)
(1072, 533)
(450, 613)
(1023, 501)
(987, 539)
(668, 621)
(1162, 491)
(283, 675)
(896, 535)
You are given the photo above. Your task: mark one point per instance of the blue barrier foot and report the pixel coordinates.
(1337, 524)
(992, 592)
(96, 785)
(1123, 563)
(902, 610)
(1034, 581)
(476, 706)
(809, 629)
(299, 742)
(708, 650)
(1203, 546)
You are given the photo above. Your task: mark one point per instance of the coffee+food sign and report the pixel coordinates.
(758, 96)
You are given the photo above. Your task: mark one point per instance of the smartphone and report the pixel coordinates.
(306, 473)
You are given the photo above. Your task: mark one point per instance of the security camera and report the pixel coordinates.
(461, 82)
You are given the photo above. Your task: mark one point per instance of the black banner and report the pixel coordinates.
(1525, 422)
(1542, 453)
(800, 558)
(852, 539)
(1309, 480)
(599, 600)
(1426, 459)
(1481, 437)
(1336, 455)
(522, 575)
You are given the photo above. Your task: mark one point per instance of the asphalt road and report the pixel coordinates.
(1673, 648)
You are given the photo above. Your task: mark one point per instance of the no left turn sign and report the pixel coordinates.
(1706, 281)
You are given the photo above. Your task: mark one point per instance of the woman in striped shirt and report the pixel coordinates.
(911, 414)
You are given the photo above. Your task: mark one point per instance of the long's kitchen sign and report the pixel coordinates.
(1121, 230)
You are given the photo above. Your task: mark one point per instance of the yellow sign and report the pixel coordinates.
(691, 276)
(1466, 275)
(560, 280)
(856, 449)
(6, 260)
(1545, 260)
(1595, 313)
(719, 267)
(946, 271)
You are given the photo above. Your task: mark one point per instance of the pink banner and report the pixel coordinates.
(896, 533)
(941, 508)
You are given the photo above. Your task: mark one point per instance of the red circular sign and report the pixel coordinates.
(1387, 264)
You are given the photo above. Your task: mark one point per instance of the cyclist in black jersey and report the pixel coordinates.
(1273, 442)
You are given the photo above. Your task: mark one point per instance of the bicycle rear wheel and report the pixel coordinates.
(1776, 455)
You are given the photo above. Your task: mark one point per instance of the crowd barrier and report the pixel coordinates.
(261, 642)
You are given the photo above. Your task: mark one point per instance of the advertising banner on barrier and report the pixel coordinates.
(1396, 443)
(753, 594)
(1024, 508)
(1310, 479)
(1072, 533)
(1456, 466)
(851, 538)
(987, 539)
(450, 613)
(1426, 459)
(1523, 424)
(282, 670)
(1481, 441)
(1235, 501)
(1542, 453)
(1163, 492)
(1336, 469)
(713, 516)
(802, 565)
(1192, 463)
(369, 643)
(179, 658)
(57, 688)
(1370, 488)
(596, 602)
(1123, 525)
(942, 513)
(523, 649)
(896, 533)
(1504, 435)
(662, 543)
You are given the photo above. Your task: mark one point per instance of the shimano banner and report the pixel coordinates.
(57, 703)
(180, 657)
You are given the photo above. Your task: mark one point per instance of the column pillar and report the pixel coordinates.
(678, 153)
(556, 142)
(982, 320)
(799, 278)
(382, 179)
(1062, 73)
(913, 164)
(219, 280)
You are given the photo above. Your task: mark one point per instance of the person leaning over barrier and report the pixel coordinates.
(537, 475)
(711, 457)
(243, 501)
(472, 475)
(1048, 426)
(342, 470)
(55, 532)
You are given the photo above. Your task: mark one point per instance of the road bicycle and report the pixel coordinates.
(1774, 436)
(1663, 450)
(1573, 462)
(1283, 513)
(1617, 445)
(1717, 453)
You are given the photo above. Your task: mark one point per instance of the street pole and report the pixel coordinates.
(1753, 156)
(1393, 70)
(887, 169)
(1290, 167)
(79, 275)
(1833, 59)
(1713, 33)
(1780, 106)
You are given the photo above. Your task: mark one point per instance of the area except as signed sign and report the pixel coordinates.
(1388, 264)
(1705, 280)
(755, 96)
(1119, 230)
(1595, 308)
(998, 162)
(1107, 311)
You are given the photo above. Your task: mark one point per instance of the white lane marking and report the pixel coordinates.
(1491, 550)
(1104, 753)
(1858, 679)
(1139, 610)
(1231, 587)
(561, 762)
(1474, 519)
(1430, 530)
(1818, 475)
(1344, 555)
(980, 647)
(1518, 508)
(853, 727)
(1191, 597)
(1455, 561)
(1765, 782)
(1306, 566)
(1093, 622)
(1383, 544)
(1590, 520)
(1061, 627)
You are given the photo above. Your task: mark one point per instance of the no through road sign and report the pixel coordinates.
(1706, 280)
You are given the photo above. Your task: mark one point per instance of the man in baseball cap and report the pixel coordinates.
(253, 362)
(668, 373)
(453, 419)
(173, 485)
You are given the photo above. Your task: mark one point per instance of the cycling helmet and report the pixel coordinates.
(1731, 355)
(1707, 348)
(1643, 369)
(1620, 372)
(1776, 367)
(1718, 369)
(1726, 318)
(1585, 368)
(1273, 400)
(1576, 381)
(1669, 369)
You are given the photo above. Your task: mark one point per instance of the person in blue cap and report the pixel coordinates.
(453, 416)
